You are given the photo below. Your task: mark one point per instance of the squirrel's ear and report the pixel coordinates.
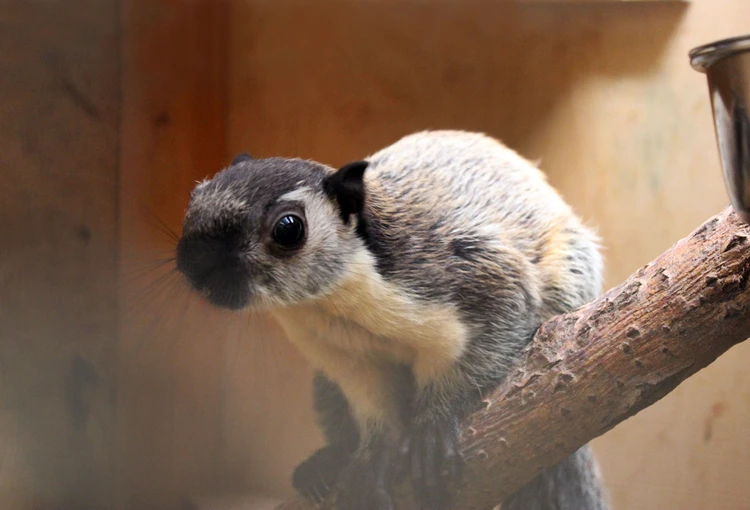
(347, 187)
(239, 158)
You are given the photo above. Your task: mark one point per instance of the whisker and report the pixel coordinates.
(234, 349)
(153, 284)
(158, 224)
(125, 257)
(167, 229)
(157, 309)
(143, 268)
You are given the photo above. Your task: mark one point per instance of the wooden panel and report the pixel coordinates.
(621, 123)
(173, 133)
(59, 85)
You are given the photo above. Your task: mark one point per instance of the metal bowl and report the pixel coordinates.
(726, 64)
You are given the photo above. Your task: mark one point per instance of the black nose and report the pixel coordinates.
(214, 266)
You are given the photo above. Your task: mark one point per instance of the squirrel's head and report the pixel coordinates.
(271, 232)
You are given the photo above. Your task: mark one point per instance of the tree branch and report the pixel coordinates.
(587, 371)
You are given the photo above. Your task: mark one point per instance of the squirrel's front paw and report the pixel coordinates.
(430, 454)
(316, 477)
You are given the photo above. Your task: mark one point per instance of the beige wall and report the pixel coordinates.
(602, 94)
(109, 114)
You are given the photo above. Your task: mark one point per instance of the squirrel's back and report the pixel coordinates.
(440, 196)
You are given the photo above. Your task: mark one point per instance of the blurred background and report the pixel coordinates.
(120, 390)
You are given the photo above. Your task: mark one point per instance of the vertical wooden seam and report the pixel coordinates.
(173, 132)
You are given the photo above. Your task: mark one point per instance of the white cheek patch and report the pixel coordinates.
(311, 270)
(320, 215)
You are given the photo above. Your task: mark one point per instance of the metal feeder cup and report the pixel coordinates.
(726, 64)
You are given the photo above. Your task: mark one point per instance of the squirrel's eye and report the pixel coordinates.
(289, 232)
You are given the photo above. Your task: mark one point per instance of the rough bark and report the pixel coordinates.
(587, 371)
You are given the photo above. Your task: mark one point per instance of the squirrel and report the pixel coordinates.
(411, 281)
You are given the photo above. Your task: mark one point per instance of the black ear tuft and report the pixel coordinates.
(347, 187)
(239, 158)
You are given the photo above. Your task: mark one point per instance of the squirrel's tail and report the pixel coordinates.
(573, 484)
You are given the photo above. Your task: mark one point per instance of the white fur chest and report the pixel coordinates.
(366, 317)
(319, 334)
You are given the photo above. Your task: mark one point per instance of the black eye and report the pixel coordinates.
(289, 232)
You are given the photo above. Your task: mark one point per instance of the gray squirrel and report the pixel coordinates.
(411, 281)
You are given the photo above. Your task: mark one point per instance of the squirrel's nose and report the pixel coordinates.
(213, 265)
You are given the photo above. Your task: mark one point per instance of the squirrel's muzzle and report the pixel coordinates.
(214, 266)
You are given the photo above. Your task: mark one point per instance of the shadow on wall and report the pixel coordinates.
(345, 80)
